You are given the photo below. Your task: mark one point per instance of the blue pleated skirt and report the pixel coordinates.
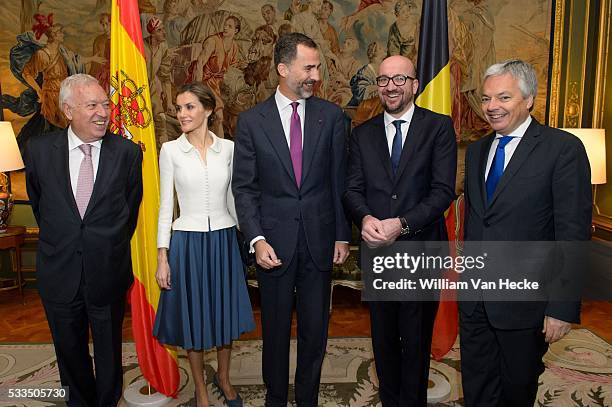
(208, 304)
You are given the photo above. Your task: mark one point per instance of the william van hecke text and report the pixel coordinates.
(447, 284)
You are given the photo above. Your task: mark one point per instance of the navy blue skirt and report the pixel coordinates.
(208, 304)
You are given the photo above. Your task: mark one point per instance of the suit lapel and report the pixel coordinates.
(379, 143)
(524, 148)
(415, 132)
(106, 166)
(62, 171)
(482, 168)
(312, 133)
(273, 129)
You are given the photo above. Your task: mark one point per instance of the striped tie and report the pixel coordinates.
(85, 182)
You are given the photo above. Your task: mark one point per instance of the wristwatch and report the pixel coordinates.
(405, 228)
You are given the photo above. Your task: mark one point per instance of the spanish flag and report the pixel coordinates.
(132, 118)
(433, 71)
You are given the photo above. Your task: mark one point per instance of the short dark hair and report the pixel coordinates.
(285, 49)
(204, 94)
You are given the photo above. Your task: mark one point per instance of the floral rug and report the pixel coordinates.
(578, 373)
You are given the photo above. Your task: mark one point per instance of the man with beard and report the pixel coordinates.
(400, 180)
(289, 162)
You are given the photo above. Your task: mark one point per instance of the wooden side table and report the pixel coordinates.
(12, 240)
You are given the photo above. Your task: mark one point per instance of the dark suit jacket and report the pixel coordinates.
(424, 185)
(268, 201)
(97, 246)
(543, 195)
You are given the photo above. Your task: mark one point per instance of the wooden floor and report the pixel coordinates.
(25, 322)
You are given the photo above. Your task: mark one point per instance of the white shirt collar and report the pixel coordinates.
(519, 132)
(282, 101)
(186, 146)
(407, 116)
(74, 141)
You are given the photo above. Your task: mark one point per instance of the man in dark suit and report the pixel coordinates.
(85, 187)
(524, 182)
(288, 179)
(400, 180)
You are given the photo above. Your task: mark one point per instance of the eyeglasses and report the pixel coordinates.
(398, 80)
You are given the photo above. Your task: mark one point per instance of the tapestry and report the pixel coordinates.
(228, 45)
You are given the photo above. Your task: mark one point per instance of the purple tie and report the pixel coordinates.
(295, 143)
(85, 182)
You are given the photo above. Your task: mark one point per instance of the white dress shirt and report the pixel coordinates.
(75, 156)
(203, 189)
(390, 127)
(517, 136)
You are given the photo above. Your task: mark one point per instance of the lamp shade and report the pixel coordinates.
(10, 158)
(594, 141)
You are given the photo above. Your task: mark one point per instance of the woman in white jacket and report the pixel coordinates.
(204, 302)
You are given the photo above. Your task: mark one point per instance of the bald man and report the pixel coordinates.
(400, 180)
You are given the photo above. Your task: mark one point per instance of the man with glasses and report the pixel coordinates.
(400, 180)
(85, 187)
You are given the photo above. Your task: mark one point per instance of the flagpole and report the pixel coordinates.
(1, 104)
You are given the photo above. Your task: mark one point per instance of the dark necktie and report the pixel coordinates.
(295, 143)
(396, 148)
(497, 166)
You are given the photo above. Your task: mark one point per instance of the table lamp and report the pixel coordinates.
(594, 141)
(10, 160)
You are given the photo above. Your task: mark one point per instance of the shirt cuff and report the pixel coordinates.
(342, 241)
(255, 240)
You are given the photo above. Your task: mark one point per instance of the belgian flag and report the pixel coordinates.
(433, 72)
(433, 68)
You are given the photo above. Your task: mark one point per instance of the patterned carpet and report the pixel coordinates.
(579, 373)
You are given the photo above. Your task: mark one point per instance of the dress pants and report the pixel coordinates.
(70, 324)
(401, 340)
(499, 367)
(310, 287)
